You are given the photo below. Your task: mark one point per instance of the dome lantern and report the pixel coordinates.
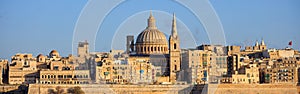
(151, 40)
(151, 22)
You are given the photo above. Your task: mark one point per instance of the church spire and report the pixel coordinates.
(174, 52)
(262, 42)
(174, 28)
(151, 22)
(256, 43)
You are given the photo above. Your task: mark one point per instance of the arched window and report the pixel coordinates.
(175, 46)
(141, 49)
(154, 48)
(25, 63)
(151, 48)
(175, 67)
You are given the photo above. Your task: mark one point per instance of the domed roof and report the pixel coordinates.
(40, 55)
(53, 52)
(151, 34)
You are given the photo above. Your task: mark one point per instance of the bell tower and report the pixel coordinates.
(262, 45)
(83, 49)
(174, 52)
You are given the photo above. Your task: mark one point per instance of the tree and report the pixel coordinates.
(76, 90)
(58, 89)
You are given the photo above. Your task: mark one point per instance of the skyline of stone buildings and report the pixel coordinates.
(152, 59)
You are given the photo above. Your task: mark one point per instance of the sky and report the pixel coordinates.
(39, 26)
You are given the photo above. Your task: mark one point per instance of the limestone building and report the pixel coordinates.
(219, 50)
(104, 68)
(196, 67)
(63, 70)
(255, 51)
(83, 49)
(22, 69)
(4, 70)
(112, 70)
(256, 47)
(218, 68)
(152, 42)
(233, 64)
(251, 75)
(50, 69)
(284, 70)
(233, 50)
(280, 53)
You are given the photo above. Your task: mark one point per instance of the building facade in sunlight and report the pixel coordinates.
(152, 49)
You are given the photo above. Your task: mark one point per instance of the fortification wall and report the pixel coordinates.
(172, 89)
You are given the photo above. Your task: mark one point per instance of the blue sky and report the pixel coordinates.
(38, 26)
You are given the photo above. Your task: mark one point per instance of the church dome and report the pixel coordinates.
(152, 36)
(54, 53)
(40, 56)
(151, 40)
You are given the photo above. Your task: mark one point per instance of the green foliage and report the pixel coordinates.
(76, 90)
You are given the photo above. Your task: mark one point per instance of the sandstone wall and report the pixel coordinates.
(172, 89)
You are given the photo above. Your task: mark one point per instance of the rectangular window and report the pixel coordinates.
(55, 67)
